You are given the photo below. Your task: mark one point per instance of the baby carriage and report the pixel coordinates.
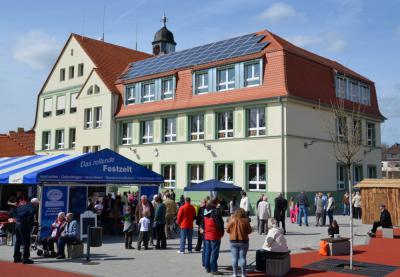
(36, 242)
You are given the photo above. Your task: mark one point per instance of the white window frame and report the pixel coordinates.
(167, 89)
(126, 138)
(340, 135)
(365, 94)
(374, 167)
(47, 113)
(80, 69)
(147, 132)
(71, 72)
(201, 78)
(226, 172)
(371, 140)
(354, 91)
(169, 132)
(198, 180)
(225, 85)
(170, 181)
(258, 129)
(62, 74)
(130, 95)
(147, 95)
(258, 180)
(60, 144)
(225, 132)
(72, 102)
(46, 146)
(72, 143)
(98, 117)
(88, 120)
(341, 86)
(359, 166)
(196, 135)
(252, 78)
(96, 148)
(62, 103)
(341, 184)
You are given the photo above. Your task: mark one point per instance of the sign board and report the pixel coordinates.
(88, 218)
(54, 200)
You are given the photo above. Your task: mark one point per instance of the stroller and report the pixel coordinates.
(36, 242)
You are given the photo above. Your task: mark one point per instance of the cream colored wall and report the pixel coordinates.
(67, 60)
(55, 122)
(53, 88)
(238, 150)
(314, 168)
(103, 136)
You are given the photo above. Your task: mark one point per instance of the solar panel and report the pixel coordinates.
(229, 48)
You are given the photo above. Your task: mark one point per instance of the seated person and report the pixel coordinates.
(275, 242)
(333, 229)
(385, 221)
(56, 229)
(68, 236)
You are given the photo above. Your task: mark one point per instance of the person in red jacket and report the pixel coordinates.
(213, 232)
(186, 216)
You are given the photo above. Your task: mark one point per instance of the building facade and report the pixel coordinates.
(391, 162)
(252, 110)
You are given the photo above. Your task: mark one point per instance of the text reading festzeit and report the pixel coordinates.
(121, 169)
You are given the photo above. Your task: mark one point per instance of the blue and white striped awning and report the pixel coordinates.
(103, 167)
(20, 170)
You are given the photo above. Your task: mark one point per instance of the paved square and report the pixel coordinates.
(113, 260)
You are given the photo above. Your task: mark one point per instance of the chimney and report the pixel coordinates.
(20, 130)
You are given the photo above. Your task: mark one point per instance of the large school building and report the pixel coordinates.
(253, 110)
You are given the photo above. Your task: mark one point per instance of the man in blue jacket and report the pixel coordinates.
(68, 236)
(24, 216)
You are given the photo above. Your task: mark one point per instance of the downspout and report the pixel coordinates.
(283, 159)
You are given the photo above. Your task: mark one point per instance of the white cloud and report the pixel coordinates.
(277, 12)
(305, 41)
(36, 49)
(328, 41)
(336, 45)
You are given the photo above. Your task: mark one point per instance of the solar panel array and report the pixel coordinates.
(220, 50)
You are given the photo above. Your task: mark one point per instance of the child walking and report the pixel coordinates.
(144, 223)
(129, 227)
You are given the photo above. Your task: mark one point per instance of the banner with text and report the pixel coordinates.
(54, 200)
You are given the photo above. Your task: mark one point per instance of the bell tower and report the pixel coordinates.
(164, 42)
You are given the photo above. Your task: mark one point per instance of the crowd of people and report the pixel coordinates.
(164, 218)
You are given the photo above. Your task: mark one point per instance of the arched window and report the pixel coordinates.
(90, 90)
(96, 89)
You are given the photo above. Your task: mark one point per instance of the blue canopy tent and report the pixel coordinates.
(213, 185)
(103, 167)
(64, 178)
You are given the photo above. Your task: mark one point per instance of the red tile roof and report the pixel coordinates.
(109, 59)
(288, 71)
(17, 143)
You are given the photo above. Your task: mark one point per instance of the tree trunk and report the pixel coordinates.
(351, 214)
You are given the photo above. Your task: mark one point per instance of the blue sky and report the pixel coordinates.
(363, 35)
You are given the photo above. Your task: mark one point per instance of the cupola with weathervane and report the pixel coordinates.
(163, 40)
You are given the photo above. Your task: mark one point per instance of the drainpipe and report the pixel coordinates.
(284, 192)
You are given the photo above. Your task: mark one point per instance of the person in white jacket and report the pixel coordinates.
(264, 213)
(275, 242)
(244, 203)
(357, 205)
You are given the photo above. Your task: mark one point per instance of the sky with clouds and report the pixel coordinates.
(363, 35)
